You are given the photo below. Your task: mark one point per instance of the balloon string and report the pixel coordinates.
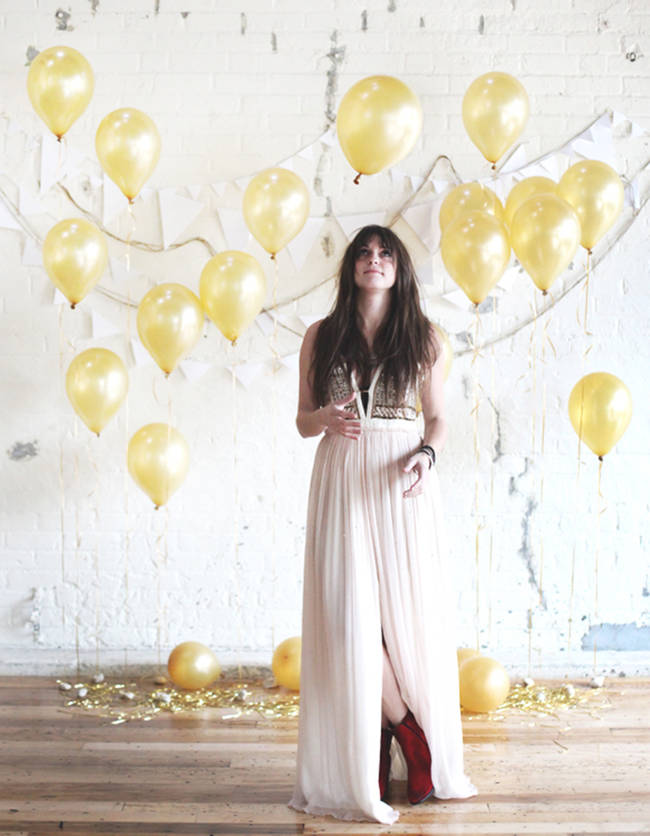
(587, 332)
(77, 543)
(274, 446)
(532, 362)
(61, 471)
(235, 516)
(127, 519)
(477, 455)
(530, 640)
(492, 468)
(130, 233)
(542, 468)
(599, 511)
(95, 493)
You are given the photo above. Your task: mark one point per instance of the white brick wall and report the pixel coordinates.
(233, 88)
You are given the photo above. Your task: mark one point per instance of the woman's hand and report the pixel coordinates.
(337, 420)
(420, 464)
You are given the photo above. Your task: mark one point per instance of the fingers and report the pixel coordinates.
(347, 400)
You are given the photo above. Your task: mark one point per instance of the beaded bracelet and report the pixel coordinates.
(431, 453)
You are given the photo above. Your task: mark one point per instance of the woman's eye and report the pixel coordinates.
(386, 254)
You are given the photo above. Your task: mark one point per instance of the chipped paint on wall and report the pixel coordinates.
(609, 636)
(364, 21)
(274, 42)
(63, 20)
(31, 53)
(23, 450)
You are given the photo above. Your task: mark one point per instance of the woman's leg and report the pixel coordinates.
(393, 706)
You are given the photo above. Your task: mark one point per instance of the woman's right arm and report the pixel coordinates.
(311, 419)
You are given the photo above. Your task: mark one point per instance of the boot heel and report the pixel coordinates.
(384, 761)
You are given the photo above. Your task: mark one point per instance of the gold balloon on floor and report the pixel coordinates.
(484, 684)
(170, 321)
(158, 461)
(60, 84)
(378, 123)
(596, 192)
(232, 290)
(128, 147)
(96, 384)
(276, 206)
(465, 198)
(530, 187)
(286, 663)
(475, 251)
(495, 112)
(74, 256)
(192, 665)
(545, 235)
(600, 409)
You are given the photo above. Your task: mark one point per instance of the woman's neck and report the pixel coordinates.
(371, 311)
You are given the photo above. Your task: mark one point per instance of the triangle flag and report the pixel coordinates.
(307, 153)
(7, 219)
(235, 231)
(265, 323)
(288, 164)
(352, 223)
(29, 202)
(52, 159)
(59, 298)
(103, 327)
(420, 219)
(219, 187)
(247, 373)
(176, 214)
(114, 202)
(309, 319)
(32, 253)
(329, 137)
(291, 361)
(637, 130)
(301, 245)
(140, 354)
(516, 160)
(194, 369)
(550, 166)
(194, 191)
(119, 270)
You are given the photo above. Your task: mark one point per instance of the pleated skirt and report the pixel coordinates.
(374, 563)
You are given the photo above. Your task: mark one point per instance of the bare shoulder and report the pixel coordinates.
(310, 335)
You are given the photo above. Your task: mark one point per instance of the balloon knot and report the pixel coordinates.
(493, 166)
(272, 256)
(156, 507)
(59, 137)
(357, 178)
(544, 292)
(233, 343)
(97, 434)
(588, 252)
(73, 305)
(600, 458)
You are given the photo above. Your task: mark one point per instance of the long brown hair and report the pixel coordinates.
(405, 341)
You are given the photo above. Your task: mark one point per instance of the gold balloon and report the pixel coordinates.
(484, 684)
(286, 663)
(232, 290)
(378, 123)
(600, 409)
(128, 147)
(495, 111)
(170, 321)
(192, 665)
(465, 198)
(447, 351)
(158, 461)
(530, 187)
(60, 84)
(96, 383)
(475, 251)
(276, 206)
(545, 234)
(595, 191)
(75, 255)
(465, 653)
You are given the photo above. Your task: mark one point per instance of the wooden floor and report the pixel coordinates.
(584, 771)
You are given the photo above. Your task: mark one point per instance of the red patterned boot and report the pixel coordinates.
(384, 761)
(418, 758)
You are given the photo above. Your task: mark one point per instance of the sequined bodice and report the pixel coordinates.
(382, 396)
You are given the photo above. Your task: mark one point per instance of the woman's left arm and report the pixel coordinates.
(432, 398)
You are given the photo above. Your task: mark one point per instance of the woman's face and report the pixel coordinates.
(374, 268)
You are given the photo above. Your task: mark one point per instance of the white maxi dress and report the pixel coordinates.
(374, 563)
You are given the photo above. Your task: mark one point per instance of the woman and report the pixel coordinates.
(378, 653)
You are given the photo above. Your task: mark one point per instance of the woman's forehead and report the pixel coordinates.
(374, 240)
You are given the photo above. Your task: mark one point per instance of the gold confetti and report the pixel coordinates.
(122, 702)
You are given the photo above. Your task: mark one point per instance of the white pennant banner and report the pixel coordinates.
(234, 229)
(247, 373)
(32, 253)
(352, 223)
(176, 214)
(301, 245)
(194, 369)
(102, 327)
